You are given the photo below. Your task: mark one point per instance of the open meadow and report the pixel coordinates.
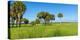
(41, 30)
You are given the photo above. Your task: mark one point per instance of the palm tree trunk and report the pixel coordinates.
(45, 22)
(20, 20)
(60, 20)
(12, 22)
(16, 22)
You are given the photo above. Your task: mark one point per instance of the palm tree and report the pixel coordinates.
(45, 16)
(18, 9)
(60, 15)
(12, 16)
(52, 17)
(42, 15)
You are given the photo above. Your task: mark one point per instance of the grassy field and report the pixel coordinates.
(40, 30)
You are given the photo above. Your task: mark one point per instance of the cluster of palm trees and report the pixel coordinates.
(17, 10)
(46, 17)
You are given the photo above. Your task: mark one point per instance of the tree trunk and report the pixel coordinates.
(45, 22)
(12, 22)
(16, 22)
(60, 20)
(20, 20)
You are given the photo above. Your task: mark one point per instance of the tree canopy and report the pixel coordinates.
(17, 9)
(60, 15)
(46, 16)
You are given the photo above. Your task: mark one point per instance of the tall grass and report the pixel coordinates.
(39, 31)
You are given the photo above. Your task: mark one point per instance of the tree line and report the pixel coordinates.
(17, 9)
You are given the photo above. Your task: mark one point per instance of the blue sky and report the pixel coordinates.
(69, 11)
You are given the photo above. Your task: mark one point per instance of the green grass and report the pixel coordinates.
(40, 30)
